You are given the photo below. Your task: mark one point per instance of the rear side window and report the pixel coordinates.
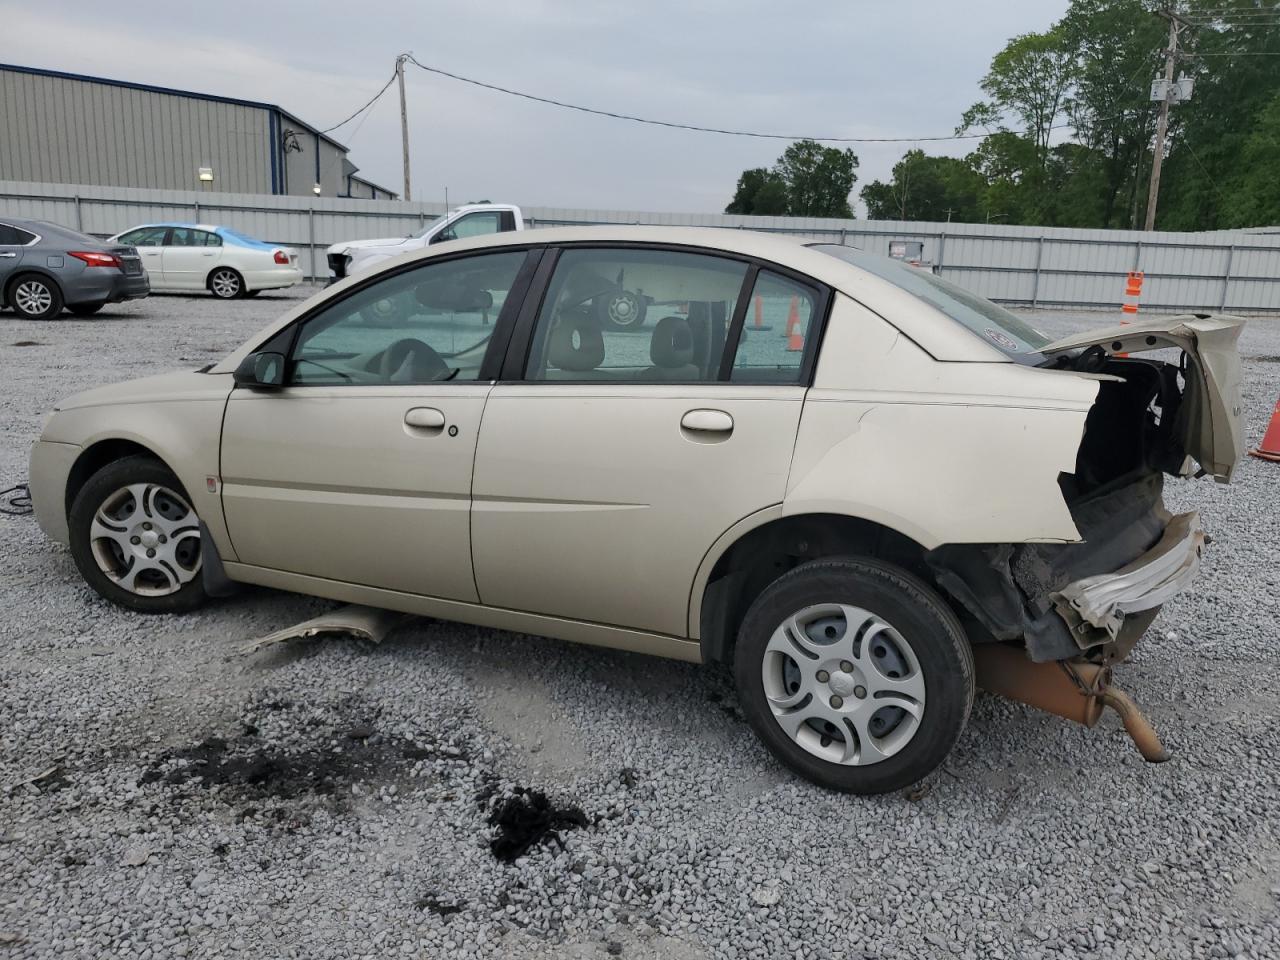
(994, 324)
(11, 236)
(775, 331)
(635, 316)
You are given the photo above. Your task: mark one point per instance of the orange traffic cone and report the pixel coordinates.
(795, 339)
(759, 322)
(1269, 448)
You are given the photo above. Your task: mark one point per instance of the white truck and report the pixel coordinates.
(469, 220)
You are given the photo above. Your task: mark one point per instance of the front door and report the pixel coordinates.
(605, 474)
(359, 469)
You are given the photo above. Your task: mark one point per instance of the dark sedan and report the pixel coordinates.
(45, 267)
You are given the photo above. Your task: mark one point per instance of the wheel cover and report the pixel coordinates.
(32, 296)
(843, 684)
(146, 539)
(225, 283)
(624, 310)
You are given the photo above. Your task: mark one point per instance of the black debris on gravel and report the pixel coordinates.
(439, 906)
(526, 818)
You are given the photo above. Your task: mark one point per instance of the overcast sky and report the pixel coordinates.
(859, 69)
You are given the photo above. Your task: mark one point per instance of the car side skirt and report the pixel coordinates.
(575, 631)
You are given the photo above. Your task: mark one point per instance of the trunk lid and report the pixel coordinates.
(1213, 427)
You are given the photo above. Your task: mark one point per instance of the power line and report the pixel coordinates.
(687, 126)
(364, 108)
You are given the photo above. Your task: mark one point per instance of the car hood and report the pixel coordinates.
(164, 387)
(1213, 428)
(348, 246)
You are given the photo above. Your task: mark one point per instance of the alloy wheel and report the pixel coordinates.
(225, 284)
(32, 297)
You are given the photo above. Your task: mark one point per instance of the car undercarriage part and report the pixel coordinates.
(1076, 689)
(366, 623)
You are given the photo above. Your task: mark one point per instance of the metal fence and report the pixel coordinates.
(1231, 270)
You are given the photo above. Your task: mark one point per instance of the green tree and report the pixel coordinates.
(927, 188)
(809, 180)
(761, 192)
(1030, 79)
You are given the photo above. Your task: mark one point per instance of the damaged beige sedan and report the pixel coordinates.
(861, 486)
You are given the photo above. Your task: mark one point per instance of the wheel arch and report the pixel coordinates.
(98, 455)
(208, 280)
(23, 271)
(762, 547)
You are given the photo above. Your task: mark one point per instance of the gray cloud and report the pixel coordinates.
(847, 69)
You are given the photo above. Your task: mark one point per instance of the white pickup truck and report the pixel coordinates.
(470, 220)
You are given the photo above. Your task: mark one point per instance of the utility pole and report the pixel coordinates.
(1176, 24)
(404, 123)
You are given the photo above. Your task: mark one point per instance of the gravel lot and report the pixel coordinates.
(320, 799)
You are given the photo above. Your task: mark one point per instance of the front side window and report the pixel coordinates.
(145, 237)
(678, 307)
(426, 325)
(471, 225)
(775, 332)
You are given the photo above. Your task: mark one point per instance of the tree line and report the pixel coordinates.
(1067, 129)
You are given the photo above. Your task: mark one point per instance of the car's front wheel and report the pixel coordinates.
(226, 284)
(622, 311)
(136, 538)
(34, 297)
(855, 674)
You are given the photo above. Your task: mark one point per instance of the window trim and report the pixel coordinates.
(517, 356)
(35, 237)
(284, 339)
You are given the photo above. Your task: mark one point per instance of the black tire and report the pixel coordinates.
(85, 309)
(99, 490)
(388, 312)
(226, 284)
(620, 310)
(917, 613)
(28, 286)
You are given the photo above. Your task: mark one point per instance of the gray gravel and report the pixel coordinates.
(335, 814)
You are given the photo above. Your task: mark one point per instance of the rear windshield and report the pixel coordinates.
(994, 324)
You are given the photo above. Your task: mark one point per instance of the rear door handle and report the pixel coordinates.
(424, 418)
(8, 256)
(707, 421)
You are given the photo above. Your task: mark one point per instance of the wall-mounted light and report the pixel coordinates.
(316, 189)
(206, 174)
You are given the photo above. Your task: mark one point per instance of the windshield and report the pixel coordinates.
(995, 324)
(426, 228)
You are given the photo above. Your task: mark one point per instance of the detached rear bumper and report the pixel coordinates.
(1102, 602)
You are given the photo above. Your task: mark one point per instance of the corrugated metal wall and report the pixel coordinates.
(74, 131)
(1230, 270)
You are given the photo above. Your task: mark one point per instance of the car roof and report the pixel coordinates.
(191, 226)
(927, 326)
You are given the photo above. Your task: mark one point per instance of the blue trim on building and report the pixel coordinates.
(272, 140)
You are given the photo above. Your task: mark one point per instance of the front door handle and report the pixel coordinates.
(424, 418)
(707, 422)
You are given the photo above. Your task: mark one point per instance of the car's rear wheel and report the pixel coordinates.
(34, 297)
(226, 284)
(136, 538)
(85, 309)
(855, 674)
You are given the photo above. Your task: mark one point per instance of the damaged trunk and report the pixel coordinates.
(1151, 417)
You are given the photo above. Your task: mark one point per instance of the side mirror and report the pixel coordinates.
(261, 371)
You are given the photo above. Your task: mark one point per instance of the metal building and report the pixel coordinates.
(66, 128)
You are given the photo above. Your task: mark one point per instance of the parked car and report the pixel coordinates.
(45, 267)
(470, 220)
(182, 257)
(849, 508)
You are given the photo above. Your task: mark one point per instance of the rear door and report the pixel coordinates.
(609, 462)
(13, 244)
(189, 256)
